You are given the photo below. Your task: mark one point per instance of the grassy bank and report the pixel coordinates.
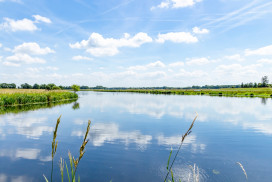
(231, 92)
(12, 97)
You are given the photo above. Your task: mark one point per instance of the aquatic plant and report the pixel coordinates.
(73, 162)
(169, 169)
(243, 169)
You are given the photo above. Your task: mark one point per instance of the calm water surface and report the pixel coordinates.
(132, 134)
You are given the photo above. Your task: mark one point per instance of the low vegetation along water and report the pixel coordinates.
(229, 92)
(13, 97)
(132, 134)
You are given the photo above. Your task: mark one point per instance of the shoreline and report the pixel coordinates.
(241, 92)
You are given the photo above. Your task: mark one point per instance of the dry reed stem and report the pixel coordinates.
(182, 140)
(242, 167)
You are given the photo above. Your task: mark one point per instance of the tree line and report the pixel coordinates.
(7, 85)
(264, 83)
(51, 86)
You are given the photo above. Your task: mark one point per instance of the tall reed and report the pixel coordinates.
(188, 132)
(73, 162)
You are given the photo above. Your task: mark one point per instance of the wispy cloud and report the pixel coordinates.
(253, 10)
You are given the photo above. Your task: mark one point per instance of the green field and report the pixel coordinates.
(231, 92)
(12, 97)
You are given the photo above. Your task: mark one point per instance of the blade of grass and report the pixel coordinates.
(67, 172)
(172, 176)
(45, 178)
(242, 167)
(169, 158)
(182, 140)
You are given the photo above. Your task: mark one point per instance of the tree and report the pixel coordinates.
(265, 81)
(75, 88)
(50, 86)
(43, 86)
(36, 86)
(26, 86)
(255, 85)
(55, 88)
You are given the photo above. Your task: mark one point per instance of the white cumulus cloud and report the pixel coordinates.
(177, 37)
(238, 69)
(263, 51)
(157, 64)
(198, 61)
(32, 48)
(77, 58)
(176, 64)
(23, 24)
(97, 45)
(176, 4)
(24, 54)
(197, 30)
(235, 57)
(24, 58)
(265, 61)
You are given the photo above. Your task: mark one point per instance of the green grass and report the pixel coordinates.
(14, 98)
(230, 92)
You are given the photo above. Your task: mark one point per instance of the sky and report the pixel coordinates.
(135, 43)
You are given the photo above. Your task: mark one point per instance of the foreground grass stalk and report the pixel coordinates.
(54, 146)
(74, 162)
(182, 140)
(61, 168)
(242, 167)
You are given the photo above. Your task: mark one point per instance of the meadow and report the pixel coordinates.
(13, 97)
(230, 92)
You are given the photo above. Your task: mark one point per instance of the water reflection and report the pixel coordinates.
(30, 127)
(264, 100)
(102, 133)
(221, 109)
(76, 105)
(174, 141)
(24, 153)
(133, 134)
(5, 178)
(31, 107)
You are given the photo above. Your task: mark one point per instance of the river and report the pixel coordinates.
(132, 134)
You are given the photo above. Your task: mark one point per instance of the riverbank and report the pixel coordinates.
(229, 92)
(13, 97)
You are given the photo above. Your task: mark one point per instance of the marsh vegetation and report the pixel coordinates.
(12, 97)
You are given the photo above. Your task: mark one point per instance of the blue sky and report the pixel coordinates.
(135, 42)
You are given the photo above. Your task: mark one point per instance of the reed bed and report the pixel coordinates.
(12, 97)
(230, 92)
(12, 91)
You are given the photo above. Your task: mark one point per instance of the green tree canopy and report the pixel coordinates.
(75, 88)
